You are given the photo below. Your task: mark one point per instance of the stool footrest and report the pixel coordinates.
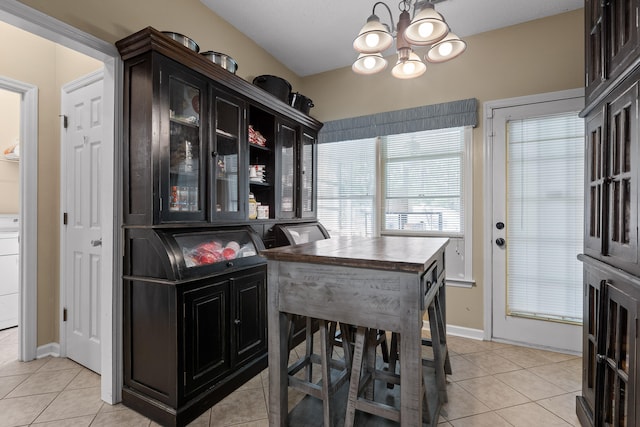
(379, 409)
(315, 389)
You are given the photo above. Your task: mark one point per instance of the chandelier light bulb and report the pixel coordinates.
(372, 40)
(369, 62)
(427, 26)
(425, 29)
(373, 37)
(445, 49)
(450, 47)
(408, 67)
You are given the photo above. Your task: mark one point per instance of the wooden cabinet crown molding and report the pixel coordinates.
(149, 39)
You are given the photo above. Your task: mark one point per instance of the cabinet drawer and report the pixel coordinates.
(431, 280)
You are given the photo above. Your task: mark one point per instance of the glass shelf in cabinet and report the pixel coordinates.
(186, 121)
(220, 132)
(259, 183)
(259, 147)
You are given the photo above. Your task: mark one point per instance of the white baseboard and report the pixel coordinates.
(460, 331)
(52, 349)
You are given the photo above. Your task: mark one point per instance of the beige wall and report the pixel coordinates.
(115, 19)
(540, 56)
(43, 64)
(9, 133)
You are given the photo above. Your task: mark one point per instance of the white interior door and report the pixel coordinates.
(82, 240)
(537, 167)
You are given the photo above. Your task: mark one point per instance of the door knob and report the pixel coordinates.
(97, 242)
(500, 241)
(500, 225)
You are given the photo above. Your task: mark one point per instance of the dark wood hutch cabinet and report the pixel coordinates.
(610, 381)
(194, 285)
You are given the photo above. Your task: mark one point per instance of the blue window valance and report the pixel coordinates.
(426, 117)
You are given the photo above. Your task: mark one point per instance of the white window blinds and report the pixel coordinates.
(347, 187)
(424, 181)
(545, 212)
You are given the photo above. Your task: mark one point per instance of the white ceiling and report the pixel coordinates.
(310, 37)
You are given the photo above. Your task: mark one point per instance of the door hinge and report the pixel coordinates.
(65, 121)
(65, 218)
(64, 314)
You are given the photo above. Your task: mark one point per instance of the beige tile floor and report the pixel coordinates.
(492, 385)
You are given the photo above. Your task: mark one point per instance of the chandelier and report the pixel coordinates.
(427, 28)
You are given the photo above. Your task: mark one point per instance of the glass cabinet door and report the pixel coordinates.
(184, 181)
(308, 186)
(228, 172)
(287, 202)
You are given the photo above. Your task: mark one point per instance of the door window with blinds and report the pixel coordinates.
(545, 217)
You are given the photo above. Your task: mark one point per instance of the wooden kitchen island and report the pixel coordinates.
(383, 282)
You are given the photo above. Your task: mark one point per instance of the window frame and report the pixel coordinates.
(465, 237)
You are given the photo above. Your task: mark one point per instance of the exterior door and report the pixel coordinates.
(538, 157)
(82, 260)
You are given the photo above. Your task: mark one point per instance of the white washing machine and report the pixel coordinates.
(9, 270)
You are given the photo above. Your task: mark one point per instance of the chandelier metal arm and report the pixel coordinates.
(373, 12)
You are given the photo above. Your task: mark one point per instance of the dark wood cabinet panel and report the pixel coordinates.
(595, 73)
(595, 184)
(611, 180)
(188, 345)
(206, 324)
(593, 289)
(611, 43)
(287, 170)
(619, 359)
(610, 382)
(309, 181)
(622, 143)
(250, 316)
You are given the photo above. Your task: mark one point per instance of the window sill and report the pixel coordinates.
(460, 283)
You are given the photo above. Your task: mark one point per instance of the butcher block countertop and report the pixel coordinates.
(395, 253)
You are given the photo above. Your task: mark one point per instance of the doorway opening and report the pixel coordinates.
(27, 212)
(37, 325)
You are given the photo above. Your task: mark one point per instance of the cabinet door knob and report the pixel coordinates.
(229, 264)
(237, 321)
(214, 154)
(601, 358)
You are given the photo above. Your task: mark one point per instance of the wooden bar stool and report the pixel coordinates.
(329, 384)
(364, 372)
